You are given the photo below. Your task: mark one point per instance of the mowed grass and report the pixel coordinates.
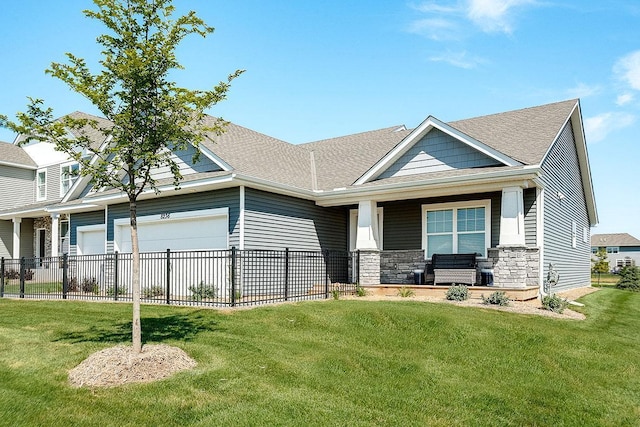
(345, 362)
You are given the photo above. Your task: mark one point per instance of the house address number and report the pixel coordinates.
(165, 215)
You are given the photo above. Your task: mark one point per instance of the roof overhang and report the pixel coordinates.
(480, 182)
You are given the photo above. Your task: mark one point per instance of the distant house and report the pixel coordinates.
(623, 250)
(515, 188)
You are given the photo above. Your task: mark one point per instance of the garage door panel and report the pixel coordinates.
(91, 242)
(184, 234)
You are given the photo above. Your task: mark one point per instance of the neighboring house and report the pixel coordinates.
(513, 187)
(623, 250)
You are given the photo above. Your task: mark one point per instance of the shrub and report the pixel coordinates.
(153, 291)
(203, 291)
(13, 274)
(629, 279)
(89, 285)
(554, 303)
(496, 298)
(458, 293)
(335, 294)
(405, 292)
(360, 291)
(111, 291)
(73, 284)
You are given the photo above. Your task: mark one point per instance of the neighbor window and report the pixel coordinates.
(612, 249)
(41, 185)
(457, 228)
(68, 175)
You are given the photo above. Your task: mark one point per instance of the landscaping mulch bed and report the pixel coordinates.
(120, 365)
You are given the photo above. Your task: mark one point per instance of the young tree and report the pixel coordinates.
(601, 265)
(150, 115)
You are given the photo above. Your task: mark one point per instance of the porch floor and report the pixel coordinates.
(475, 292)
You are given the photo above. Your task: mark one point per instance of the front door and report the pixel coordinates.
(41, 244)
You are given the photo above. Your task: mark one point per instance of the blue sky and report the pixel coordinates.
(322, 69)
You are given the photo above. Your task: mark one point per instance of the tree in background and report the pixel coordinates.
(601, 264)
(629, 279)
(150, 115)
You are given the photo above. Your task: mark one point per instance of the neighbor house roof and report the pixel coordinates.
(12, 155)
(615, 239)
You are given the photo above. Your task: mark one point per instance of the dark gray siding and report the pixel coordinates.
(6, 238)
(402, 224)
(531, 217)
(438, 151)
(184, 203)
(17, 187)
(184, 161)
(81, 220)
(561, 174)
(27, 238)
(273, 221)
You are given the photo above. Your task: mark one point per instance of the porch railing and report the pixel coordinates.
(215, 278)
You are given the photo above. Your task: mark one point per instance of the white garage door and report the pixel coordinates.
(91, 240)
(184, 231)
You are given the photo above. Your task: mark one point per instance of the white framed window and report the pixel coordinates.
(450, 228)
(613, 249)
(626, 262)
(41, 184)
(64, 236)
(574, 232)
(68, 175)
(353, 228)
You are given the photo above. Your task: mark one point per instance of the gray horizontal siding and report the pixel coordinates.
(530, 217)
(83, 219)
(274, 221)
(561, 173)
(184, 161)
(437, 151)
(6, 238)
(402, 224)
(27, 237)
(228, 198)
(17, 187)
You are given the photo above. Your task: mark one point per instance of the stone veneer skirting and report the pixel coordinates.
(396, 267)
(515, 266)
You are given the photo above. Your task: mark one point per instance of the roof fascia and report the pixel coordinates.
(214, 158)
(17, 165)
(575, 118)
(480, 182)
(417, 134)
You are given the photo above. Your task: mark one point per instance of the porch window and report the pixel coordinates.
(64, 236)
(41, 185)
(68, 175)
(457, 228)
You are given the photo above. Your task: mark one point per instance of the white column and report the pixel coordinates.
(241, 217)
(512, 217)
(55, 227)
(367, 234)
(16, 238)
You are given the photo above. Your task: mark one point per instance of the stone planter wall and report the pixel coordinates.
(396, 267)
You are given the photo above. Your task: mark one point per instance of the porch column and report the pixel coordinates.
(16, 238)
(512, 217)
(55, 226)
(367, 233)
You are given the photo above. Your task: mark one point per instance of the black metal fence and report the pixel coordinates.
(212, 278)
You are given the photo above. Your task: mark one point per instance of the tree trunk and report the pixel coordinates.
(136, 326)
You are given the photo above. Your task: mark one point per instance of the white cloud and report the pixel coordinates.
(458, 59)
(627, 69)
(597, 128)
(494, 15)
(583, 90)
(624, 99)
(435, 28)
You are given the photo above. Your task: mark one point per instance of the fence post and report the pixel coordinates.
(233, 276)
(115, 276)
(325, 257)
(2, 277)
(168, 269)
(286, 274)
(22, 267)
(65, 275)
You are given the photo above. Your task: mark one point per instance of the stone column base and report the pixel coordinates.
(369, 268)
(515, 266)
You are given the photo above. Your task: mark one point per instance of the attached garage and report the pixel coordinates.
(183, 231)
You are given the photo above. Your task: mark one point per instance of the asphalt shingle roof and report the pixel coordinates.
(615, 239)
(13, 154)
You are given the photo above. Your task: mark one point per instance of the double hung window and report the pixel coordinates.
(457, 228)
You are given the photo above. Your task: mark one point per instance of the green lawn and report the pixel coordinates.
(331, 363)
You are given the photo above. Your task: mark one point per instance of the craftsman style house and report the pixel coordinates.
(514, 188)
